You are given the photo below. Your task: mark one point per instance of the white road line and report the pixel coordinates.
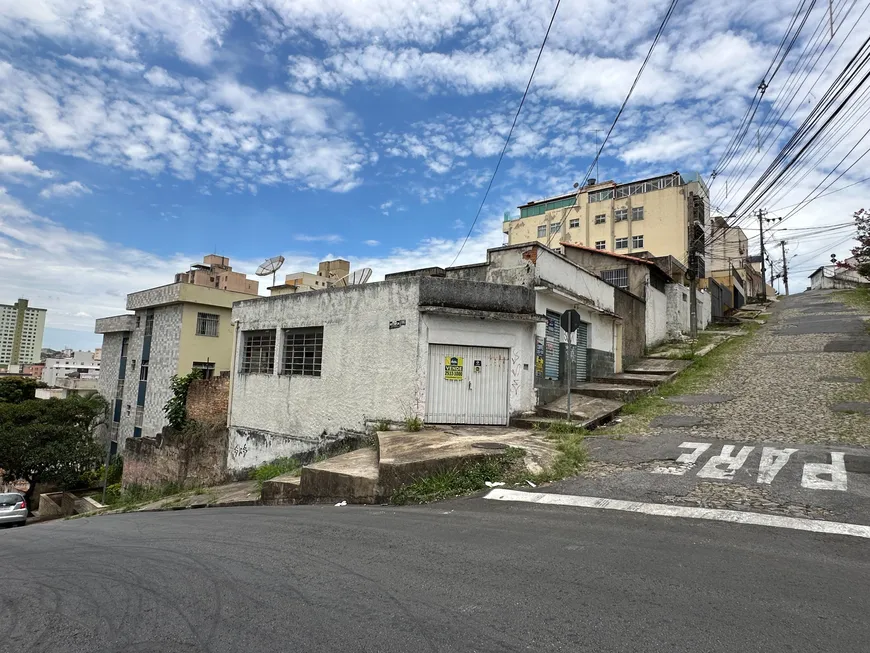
(664, 510)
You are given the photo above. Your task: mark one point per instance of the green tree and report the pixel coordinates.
(862, 252)
(176, 408)
(15, 389)
(50, 440)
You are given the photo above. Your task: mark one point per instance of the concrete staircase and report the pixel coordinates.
(371, 475)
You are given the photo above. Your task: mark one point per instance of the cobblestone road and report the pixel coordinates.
(785, 383)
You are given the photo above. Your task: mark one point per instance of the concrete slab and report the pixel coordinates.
(408, 456)
(244, 493)
(613, 391)
(281, 490)
(351, 477)
(657, 366)
(587, 411)
(647, 380)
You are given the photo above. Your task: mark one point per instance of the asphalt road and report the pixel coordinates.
(469, 575)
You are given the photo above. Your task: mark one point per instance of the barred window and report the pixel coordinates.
(143, 371)
(636, 242)
(600, 219)
(618, 278)
(258, 354)
(574, 223)
(206, 369)
(637, 213)
(600, 244)
(303, 351)
(207, 324)
(621, 243)
(620, 215)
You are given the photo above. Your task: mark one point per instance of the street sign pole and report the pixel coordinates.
(570, 367)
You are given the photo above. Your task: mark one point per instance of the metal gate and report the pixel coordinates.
(581, 364)
(468, 385)
(551, 346)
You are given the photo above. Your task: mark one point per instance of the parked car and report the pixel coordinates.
(13, 509)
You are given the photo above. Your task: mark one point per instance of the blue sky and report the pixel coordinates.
(136, 137)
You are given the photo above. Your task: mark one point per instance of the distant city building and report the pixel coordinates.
(173, 329)
(328, 272)
(842, 276)
(21, 329)
(652, 215)
(215, 272)
(80, 364)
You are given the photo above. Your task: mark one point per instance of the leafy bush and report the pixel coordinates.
(176, 408)
(413, 424)
(275, 468)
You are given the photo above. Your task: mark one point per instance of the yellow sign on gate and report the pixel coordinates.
(453, 368)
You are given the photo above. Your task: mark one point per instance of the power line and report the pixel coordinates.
(510, 133)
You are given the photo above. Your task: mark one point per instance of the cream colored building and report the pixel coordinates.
(328, 272)
(730, 261)
(650, 215)
(215, 272)
(171, 330)
(21, 329)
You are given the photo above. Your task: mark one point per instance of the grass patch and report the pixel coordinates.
(382, 426)
(564, 427)
(135, 495)
(413, 424)
(698, 376)
(274, 468)
(858, 298)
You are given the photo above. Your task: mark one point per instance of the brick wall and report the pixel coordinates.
(208, 400)
(169, 458)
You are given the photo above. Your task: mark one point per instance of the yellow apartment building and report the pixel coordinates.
(649, 215)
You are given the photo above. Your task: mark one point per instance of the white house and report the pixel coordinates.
(79, 364)
(838, 276)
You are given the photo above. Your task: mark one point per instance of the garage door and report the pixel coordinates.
(581, 363)
(467, 385)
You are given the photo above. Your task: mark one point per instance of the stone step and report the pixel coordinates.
(657, 366)
(613, 391)
(281, 490)
(645, 380)
(587, 411)
(351, 477)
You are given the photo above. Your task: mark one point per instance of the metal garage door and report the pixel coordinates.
(467, 385)
(551, 346)
(581, 364)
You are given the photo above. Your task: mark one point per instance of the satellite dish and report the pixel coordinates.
(356, 278)
(270, 266)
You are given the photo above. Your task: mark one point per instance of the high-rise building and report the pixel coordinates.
(21, 329)
(655, 215)
(215, 272)
(171, 330)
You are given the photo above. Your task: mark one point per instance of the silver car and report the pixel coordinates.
(13, 509)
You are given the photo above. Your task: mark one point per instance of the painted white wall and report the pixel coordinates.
(560, 271)
(369, 371)
(519, 337)
(600, 330)
(677, 310)
(705, 310)
(656, 316)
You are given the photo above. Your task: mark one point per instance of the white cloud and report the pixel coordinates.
(69, 189)
(159, 77)
(372, 243)
(14, 165)
(323, 238)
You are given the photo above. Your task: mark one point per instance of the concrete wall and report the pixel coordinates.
(705, 310)
(174, 458)
(369, 371)
(597, 262)
(633, 312)
(519, 337)
(677, 310)
(656, 316)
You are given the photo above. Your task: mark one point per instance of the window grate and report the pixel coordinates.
(618, 278)
(303, 351)
(258, 355)
(206, 369)
(207, 324)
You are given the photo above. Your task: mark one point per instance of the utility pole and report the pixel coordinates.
(761, 238)
(784, 267)
(696, 249)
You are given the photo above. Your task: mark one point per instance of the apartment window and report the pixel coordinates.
(555, 227)
(207, 324)
(138, 321)
(149, 324)
(206, 369)
(637, 213)
(140, 416)
(621, 243)
(600, 244)
(542, 231)
(637, 242)
(119, 393)
(601, 195)
(618, 278)
(258, 354)
(303, 351)
(143, 371)
(600, 219)
(125, 344)
(619, 215)
(574, 224)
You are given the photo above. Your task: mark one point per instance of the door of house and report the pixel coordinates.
(551, 346)
(581, 362)
(468, 385)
